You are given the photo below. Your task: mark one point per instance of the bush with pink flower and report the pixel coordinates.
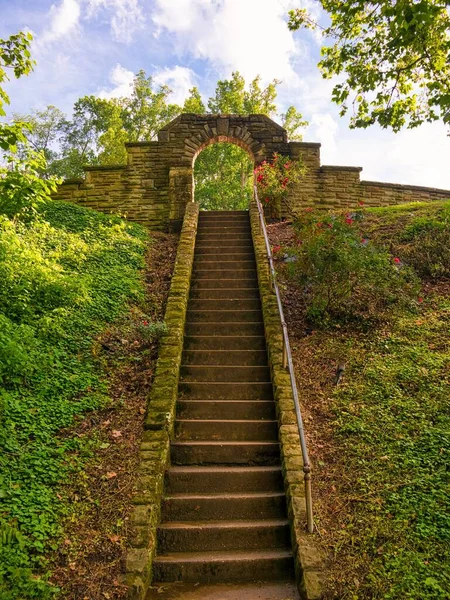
(344, 275)
(275, 179)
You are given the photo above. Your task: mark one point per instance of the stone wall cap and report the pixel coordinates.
(305, 144)
(340, 168)
(402, 186)
(104, 167)
(190, 117)
(72, 180)
(140, 144)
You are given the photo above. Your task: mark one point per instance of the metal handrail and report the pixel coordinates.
(288, 364)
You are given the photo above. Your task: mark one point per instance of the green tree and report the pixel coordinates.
(147, 111)
(194, 103)
(21, 186)
(395, 57)
(46, 129)
(14, 56)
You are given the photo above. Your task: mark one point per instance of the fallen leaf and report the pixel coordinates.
(111, 474)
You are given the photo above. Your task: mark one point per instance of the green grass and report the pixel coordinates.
(392, 420)
(63, 277)
(390, 423)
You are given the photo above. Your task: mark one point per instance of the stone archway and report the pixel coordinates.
(188, 135)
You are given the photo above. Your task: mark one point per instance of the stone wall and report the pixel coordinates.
(159, 421)
(310, 564)
(156, 184)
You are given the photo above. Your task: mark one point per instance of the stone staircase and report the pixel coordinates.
(224, 510)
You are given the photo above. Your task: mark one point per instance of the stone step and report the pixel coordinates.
(225, 294)
(224, 316)
(248, 273)
(228, 284)
(256, 590)
(219, 249)
(225, 357)
(221, 329)
(225, 342)
(224, 265)
(224, 227)
(210, 258)
(199, 480)
(228, 373)
(223, 535)
(223, 213)
(231, 245)
(225, 453)
(223, 507)
(211, 567)
(234, 240)
(233, 304)
(205, 390)
(229, 430)
(226, 409)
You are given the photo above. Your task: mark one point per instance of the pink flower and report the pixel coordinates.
(420, 299)
(145, 322)
(397, 260)
(276, 249)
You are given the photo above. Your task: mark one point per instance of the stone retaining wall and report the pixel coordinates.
(309, 562)
(154, 450)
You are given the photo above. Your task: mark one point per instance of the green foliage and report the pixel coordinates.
(14, 55)
(63, 276)
(427, 246)
(194, 103)
(146, 111)
(392, 422)
(344, 275)
(419, 233)
(223, 178)
(22, 188)
(395, 57)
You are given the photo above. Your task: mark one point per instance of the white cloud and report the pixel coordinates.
(64, 19)
(323, 128)
(122, 80)
(179, 79)
(126, 17)
(250, 36)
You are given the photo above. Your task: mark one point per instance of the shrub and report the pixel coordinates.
(344, 275)
(427, 246)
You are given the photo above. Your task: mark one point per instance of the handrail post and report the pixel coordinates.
(288, 364)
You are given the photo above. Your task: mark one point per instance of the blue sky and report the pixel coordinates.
(94, 47)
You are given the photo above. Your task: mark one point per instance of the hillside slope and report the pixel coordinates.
(64, 277)
(380, 438)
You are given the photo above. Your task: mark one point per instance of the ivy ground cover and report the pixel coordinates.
(63, 276)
